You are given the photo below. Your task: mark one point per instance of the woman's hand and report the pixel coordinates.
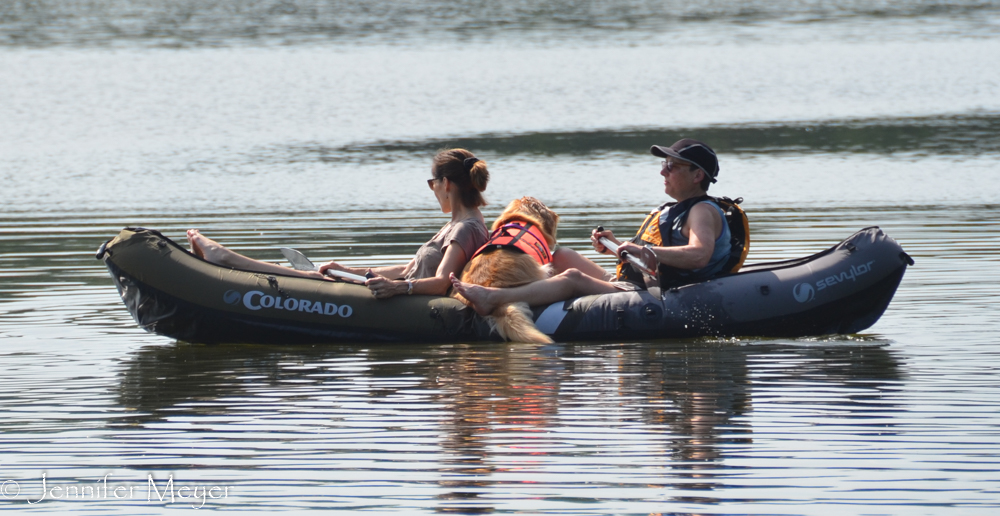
(630, 248)
(595, 237)
(383, 288)
(329, 266)
(646, 255)
(314, 275)
(332, 266)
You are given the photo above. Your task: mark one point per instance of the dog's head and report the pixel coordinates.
(532, 210)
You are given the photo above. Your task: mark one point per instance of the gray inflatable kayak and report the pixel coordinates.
(171, 292)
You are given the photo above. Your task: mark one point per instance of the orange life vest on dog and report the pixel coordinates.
(523, 236)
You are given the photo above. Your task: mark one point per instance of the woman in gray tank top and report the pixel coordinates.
(458, 180)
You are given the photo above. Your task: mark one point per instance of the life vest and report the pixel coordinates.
(658, 233)
(523, 236)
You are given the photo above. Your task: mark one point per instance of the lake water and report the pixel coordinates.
(311, 124)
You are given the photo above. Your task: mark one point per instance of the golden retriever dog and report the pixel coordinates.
(506, 267)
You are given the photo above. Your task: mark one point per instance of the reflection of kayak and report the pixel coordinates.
(171, 292)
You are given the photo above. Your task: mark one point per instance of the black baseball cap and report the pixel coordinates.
(701, 155)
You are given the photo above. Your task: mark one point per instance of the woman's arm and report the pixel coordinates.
(454, 261)
(704, 225)
(390, 271)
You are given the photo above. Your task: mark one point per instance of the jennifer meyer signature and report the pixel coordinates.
(154, 491)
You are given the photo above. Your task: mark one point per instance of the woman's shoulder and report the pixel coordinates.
(470, 225)
(708, 207)
(472, 222)
(468, 233)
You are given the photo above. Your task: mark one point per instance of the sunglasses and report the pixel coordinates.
(671, 165)
(430, 182)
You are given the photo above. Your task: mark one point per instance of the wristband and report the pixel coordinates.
(409, 287)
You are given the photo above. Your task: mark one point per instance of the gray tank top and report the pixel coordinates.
(469, 234)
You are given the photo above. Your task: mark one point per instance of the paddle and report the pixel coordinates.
(625, 256)
(301, 263)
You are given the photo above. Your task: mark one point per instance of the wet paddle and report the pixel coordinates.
(301, 263)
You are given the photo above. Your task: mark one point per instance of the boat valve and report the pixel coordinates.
(104, 248)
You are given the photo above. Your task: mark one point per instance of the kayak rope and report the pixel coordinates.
(273, 283)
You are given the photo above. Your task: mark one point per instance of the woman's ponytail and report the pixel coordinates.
(479, 176)
(467, 171)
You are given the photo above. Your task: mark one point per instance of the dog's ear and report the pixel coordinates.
(508, 214)
(549, 220)
(532, 210)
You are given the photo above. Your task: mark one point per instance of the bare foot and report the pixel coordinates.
(206, 248)
(478, 297)
(195, 250)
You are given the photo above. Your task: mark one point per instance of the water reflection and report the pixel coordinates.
(487, 392)
(700, 392)
(498, 414)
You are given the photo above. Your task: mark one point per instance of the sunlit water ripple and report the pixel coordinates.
(621, 427)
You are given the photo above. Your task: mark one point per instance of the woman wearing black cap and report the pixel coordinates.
(459, 178)
(691, 237)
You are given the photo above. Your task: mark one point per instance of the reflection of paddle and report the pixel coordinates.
(625, 256)
(301, 263)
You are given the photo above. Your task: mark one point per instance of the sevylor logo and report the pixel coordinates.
(850, 274)
(804, 292)
(257, 300)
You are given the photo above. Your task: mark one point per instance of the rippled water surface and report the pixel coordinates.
(311, 124)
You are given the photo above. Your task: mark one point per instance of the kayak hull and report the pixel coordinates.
(171, 292)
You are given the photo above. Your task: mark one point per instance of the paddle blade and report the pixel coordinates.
(298, 260)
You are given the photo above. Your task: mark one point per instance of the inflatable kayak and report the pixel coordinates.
(171, 292)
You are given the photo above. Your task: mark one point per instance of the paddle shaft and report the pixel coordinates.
(345, 275)
(625, 256)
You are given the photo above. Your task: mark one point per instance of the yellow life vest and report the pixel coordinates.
(652, 232)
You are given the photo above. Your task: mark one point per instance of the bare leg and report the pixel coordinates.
(215, 252)
(565, 259)
(570, 283)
